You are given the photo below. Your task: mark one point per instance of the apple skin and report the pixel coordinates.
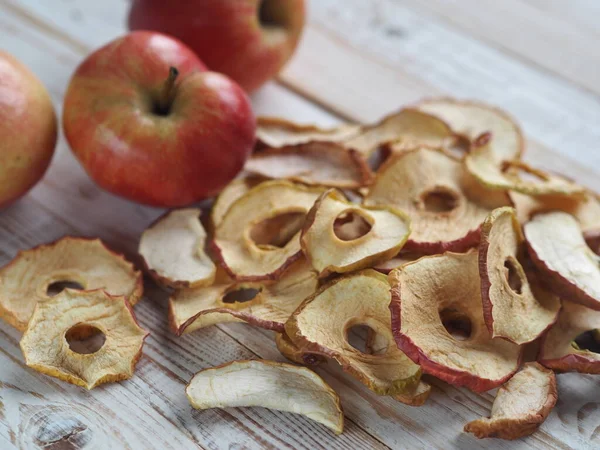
(160, 159)
(28, 129)
(228, 34)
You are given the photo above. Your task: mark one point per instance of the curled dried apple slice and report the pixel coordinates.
(314, 163)
(258, 237)
(295, 354)
(234, 190)
(267, 305)
(557, 247)
(441, 327)
(445, 204)
(322, 323)
(85, 338)
(267, 384)
(416, 396)
(386, 232)
(520, 406)
(173, 250)
(515, 306)
(573, 343)
(35, 275)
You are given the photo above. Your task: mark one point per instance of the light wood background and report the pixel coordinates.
(359, 59)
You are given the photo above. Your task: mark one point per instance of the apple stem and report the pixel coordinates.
(168, 91)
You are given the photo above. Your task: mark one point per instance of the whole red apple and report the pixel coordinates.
(249, 40)
(148, 123)
(27, 129)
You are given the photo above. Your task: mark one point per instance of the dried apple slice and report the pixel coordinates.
(56, 326)
(267, 305)
(387, 232)
(400, 259)
(445, 204)
(557, 247)
(267, 384)
(234, 190)
(295, 354)
(437, 320)
(173, 250)
(313, 163)
(520, 406)
(33, 274)
(321, 325)
(416, 396)
(258, 237)
(515, 306)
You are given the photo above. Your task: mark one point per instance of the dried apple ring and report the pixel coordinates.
(445, 204)
(437, 320)
(173, 250)
(515, 306)
(258, 237)
(31, 276)
(295, 354)
(388, 230)
(57, 324)
(321, 325)
(234, 190)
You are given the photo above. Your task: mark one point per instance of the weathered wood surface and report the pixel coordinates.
(359, 60)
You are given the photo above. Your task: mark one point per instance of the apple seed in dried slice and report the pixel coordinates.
(520, 406)
(267, 384)
(437, 320)
(295, 354)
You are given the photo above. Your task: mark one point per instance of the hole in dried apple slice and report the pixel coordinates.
(241, 295)
(457, 324)
(366, 340)
(513, 276)
(439, 200)
(588, 340)
(58, 286)
(350, 225)
(85, 339)
(278, 231)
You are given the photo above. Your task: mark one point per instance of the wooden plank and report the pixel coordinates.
(580, 13)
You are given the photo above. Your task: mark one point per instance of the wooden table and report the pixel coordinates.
(359, 59)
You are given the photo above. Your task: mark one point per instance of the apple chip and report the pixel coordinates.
(400, 259)
(263, 304)
(573, 343)
(416, 396)
(258, 237)
(520, 406)
(173, 250)
(295, 354)
(55, 340)
(437, 320)
(313, 163)
(386, 232)
(557, 247)
(322, 323)
(34, 275)
(268, 384)
(445, 204)
(234, 190)
(515, 306)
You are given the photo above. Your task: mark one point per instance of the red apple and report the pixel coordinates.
(249, 40)
(150, 124)
(27, 129)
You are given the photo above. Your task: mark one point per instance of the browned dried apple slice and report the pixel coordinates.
(234, 190)
(55, 340)
(515, 306)
(295, 354)
(268, 384)
(35, 275)
(445, 204)
(386, 232)
(437, 320)
(322, 323)
(258, 237)
(557, 247)
(267, 305)
(173, 250)
(520, 406)
(416, 396)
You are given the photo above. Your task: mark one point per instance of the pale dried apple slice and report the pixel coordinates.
(416, 396)
(404, 257)
(557, 247)
(267, 384)
(264, 304)
(387, 232)
(313, 163)
(33, 274)
(515, 306)
(321, 325)
(437, 320)
(234, 190)
(173, 250)
(445, 204)
(58, 325)
(573, 343)
(520, 406)
(411, 126)
(259, 237)
(295, 354)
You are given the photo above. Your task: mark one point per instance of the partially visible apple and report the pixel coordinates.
(249, 40)
(27, 129)
(150, 124)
